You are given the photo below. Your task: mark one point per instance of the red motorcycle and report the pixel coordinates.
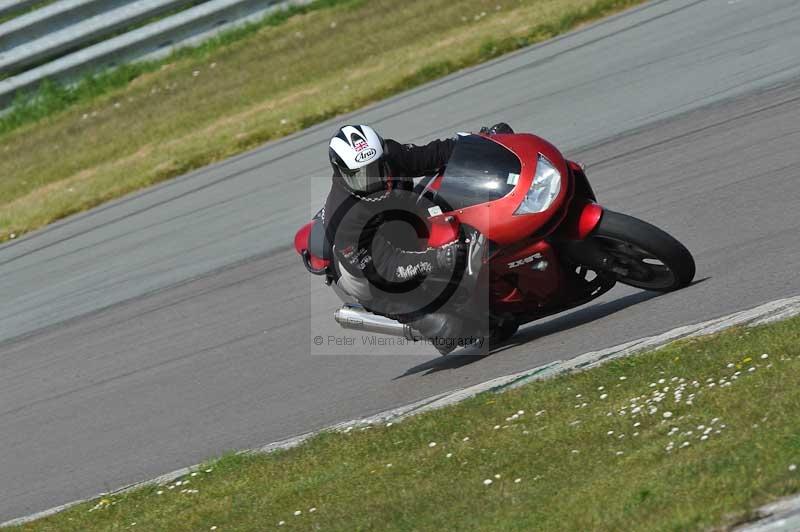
(534, 232)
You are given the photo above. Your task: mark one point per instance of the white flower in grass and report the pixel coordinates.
(609, 433)
(487, 482)
(312, 510)
(297, 512)
(194, 474)
(520, 412)
(637, 424)
(281, 523)
(209, 470)
(496, 427)
(448, 455)
(704, 437)
(540, 412)
(793, 467)
(213, 527)
(764, 356)
(159, 492)
(600, 388)
(751, 369)
(432, 444)
(466, 438)
(195, 73)
(730, 365)
(685, 444)
(667, 415)
(635, 433)
(623, 378)
(620, 453)
(661, 381)
(517, 480)
(389, 424)
(575, 451)
(497, 476)
(388, 465)
(603, 396)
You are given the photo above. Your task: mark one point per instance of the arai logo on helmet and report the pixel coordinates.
(366, 155)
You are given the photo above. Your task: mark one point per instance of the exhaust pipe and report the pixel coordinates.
(357, 318)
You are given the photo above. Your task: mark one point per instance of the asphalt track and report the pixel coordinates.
(175, 324)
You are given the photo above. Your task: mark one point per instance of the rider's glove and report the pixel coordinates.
(447, 256)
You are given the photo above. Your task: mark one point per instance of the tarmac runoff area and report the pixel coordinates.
(781, 516)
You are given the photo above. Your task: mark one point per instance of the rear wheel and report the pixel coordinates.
(642, 255)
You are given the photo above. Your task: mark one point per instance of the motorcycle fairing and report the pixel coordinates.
(461, 192)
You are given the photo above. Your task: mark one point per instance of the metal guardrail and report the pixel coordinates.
(9, 7)
(157, 39)
(51, 18)
(83, 30)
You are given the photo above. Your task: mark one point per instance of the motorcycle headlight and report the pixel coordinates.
(544, 189)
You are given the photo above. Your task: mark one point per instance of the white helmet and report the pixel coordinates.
(357, 156)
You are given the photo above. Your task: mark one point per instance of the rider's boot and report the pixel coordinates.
(440, 328)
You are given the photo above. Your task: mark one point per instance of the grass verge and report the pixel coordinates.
(142, 124)
(691, 436)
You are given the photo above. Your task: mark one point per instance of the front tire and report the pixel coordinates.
(642, 255)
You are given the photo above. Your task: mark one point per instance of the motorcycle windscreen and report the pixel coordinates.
(480, 170)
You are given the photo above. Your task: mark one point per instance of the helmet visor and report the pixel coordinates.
(363, 178)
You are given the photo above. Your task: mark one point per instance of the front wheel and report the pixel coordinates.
(642, 255)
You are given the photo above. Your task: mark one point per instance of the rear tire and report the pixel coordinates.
(642, 255)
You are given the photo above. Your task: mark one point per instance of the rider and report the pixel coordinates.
(372, 177)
